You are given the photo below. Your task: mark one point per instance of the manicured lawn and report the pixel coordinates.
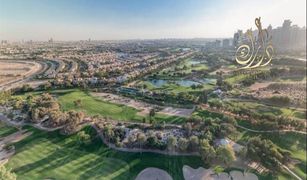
(6, 130)
(94, 106)
(177, 88)
(235, 79)
(270, 110)
(51, 155)
(189, 67)
(169, 119)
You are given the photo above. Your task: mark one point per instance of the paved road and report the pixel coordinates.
(271, 131)
(20, 124)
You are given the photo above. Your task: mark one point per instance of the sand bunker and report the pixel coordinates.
(196, 174)
(153, 174)
(208, 174)
(237, 175)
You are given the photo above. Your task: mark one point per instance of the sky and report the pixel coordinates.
(39, 20)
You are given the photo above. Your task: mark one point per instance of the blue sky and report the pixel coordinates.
(139, 19)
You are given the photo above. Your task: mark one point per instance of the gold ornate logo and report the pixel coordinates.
(255, 51)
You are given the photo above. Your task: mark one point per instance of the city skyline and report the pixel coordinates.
(105, 20)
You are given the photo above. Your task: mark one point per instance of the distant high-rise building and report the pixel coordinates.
(226, 43)
(289, 37)
(286, 37)
(50, 40)
(3, 42)
(217, 43)
(237, 38)
(213, 44)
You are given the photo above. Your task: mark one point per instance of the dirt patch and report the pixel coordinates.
(256, 86)
(295, 91)
(177, 111)
(143, 107)
(13, 72)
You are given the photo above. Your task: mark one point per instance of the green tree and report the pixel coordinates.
(171, 143)
(45, 86)
(26, 88)
(57, 118)
(218, 169)
(152, 113)
(84, 138)
(73, 121)
(183, 144)
(243, 152)
(207, 152)
(188, 128)
(5, 96)
(141, 139)
(219, 81)
(266, 152)
(194, 143)
(108, 133)
(203, 98)
(225, 154)
(6, 174)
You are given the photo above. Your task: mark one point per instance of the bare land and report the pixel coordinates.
(15, 72)
(142, 106)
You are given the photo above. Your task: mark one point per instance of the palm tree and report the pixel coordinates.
(225, 154)
(171, 143)
(207, 152)
(141, 139)
(183, 144)
(194, 142)
(152, 113)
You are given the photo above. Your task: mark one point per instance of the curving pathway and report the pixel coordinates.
(271, 131)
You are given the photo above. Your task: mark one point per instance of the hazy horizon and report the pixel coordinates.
(138, 20)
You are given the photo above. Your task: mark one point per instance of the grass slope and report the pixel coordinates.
(51, 155)
(94, 106)
(6, 130)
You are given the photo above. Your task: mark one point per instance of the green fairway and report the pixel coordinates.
(235, 79)
(6, 130)
(269, 110)
(160, 118)
(175, 88)
(51, 155)
(185, 66)
(94, 106)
